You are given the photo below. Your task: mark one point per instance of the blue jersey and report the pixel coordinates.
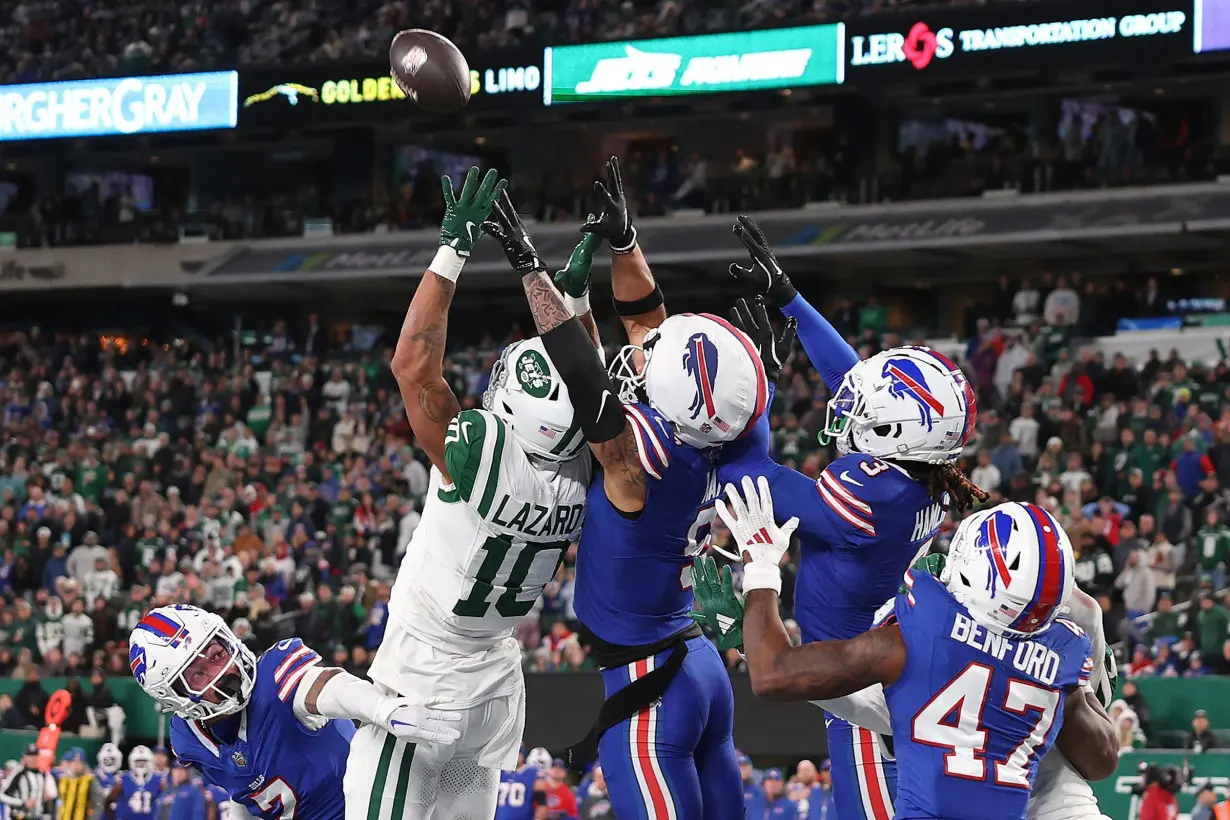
(973, 712)
(106, 779)
(516, 798)
(271, 762)
(138, 799)
(754, 804)
(633, 584)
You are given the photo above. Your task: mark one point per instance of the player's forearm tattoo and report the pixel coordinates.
(815, 671)
(438, 402)
(546, 304)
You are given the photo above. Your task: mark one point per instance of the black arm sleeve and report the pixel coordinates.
(594, 397)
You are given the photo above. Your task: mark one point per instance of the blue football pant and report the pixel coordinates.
(676, 759)
(864, 776)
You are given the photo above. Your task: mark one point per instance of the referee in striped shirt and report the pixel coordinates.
(26, 793)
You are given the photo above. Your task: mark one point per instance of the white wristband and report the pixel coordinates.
(579, 304)
(762, 575)
(447, 263)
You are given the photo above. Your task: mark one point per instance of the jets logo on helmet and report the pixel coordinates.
(700, 360)
(534, 375)
(992, 534)
(1012, 568)
(907, 382)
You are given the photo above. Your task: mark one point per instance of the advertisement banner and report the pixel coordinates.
(1211, 29)
(127, 105)
(357, 92)
(709, 63)
(1019, 37)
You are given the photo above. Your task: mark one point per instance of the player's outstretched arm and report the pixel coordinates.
(333, 693)
(418, 360)
(1087, 737)
(817, 671)
(638, 299)
(574, 280)
(593, 395)
(828, 351)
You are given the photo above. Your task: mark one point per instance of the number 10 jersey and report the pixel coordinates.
(486, 546)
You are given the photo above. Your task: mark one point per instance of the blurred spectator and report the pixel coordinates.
(1201, 737)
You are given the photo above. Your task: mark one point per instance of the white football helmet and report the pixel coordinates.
(141, 760)
(1012, 567)
(527, 392)
(702, 373)
(907, 403)
(110, 758)
(166, 642)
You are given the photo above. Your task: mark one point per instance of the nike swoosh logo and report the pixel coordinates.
(470, 230)
(828, 722)
(465, 431)
(606, 394)
(845, 476)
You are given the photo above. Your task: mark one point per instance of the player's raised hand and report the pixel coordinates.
(749, 516)
(614, 223)
(506, 226)
(420, 722)
(465, 213)
(753, 319)
(721, 610)
(763, 277)
(573, 280)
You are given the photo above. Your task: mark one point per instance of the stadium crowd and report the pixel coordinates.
(280, 485)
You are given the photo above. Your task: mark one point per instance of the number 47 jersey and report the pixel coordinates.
(973, 712)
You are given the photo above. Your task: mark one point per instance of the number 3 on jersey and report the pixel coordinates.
(525, 569)
(952, 720)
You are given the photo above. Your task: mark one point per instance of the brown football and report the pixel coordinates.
(430, 70)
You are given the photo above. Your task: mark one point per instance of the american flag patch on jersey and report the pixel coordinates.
(547, 431)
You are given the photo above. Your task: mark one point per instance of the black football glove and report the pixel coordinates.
(764, 277)
(506, 226)
(613, 224)
(753, 319)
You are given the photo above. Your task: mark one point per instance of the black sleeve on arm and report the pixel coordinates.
(639, 307)
(594, 397)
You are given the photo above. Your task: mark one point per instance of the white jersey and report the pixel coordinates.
(489, 542)
(1060, 793)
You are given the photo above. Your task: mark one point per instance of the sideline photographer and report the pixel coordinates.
(1157, 794)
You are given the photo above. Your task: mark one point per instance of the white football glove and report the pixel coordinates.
(750, 519)
(418, 722)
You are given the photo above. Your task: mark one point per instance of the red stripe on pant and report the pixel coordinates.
(869, 773)
(642, 756)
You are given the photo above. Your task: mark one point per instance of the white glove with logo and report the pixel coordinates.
(762, 542)
(418, 722)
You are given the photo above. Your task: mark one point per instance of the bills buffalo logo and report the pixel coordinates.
(906, 381)
(164, 627)
(993, 535)
(136, 662)
(700, 361)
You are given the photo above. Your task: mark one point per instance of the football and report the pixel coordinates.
(430, 70)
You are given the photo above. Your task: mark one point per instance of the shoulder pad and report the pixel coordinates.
(280, 667)
(473, 450)
(654, 440)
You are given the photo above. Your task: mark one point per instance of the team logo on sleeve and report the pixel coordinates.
(992, 536)
(906, 381)
(162, 626)
(534, 374)
(700, 361)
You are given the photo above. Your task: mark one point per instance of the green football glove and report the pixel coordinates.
(931, 564)
(720, 608)
(573, 280)
(1104, 687)
(465, 213)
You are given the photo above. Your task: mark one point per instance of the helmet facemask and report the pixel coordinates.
(217, 679)
(629, 367)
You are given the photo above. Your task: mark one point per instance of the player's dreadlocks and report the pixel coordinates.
(948, 479)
